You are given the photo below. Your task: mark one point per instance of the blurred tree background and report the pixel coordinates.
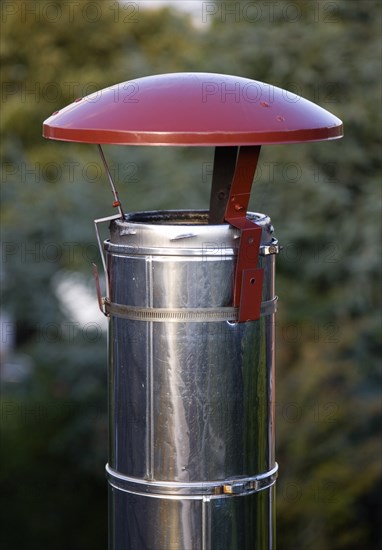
(324, 202)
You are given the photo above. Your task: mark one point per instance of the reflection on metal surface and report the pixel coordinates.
(191, 463)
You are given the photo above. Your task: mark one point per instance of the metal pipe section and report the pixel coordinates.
(191, 391)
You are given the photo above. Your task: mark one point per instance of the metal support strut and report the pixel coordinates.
(238, 166)
(117, 202)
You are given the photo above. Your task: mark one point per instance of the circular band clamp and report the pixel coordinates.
(195, 315)
(172, 489)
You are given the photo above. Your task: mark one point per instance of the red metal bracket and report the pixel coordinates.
(248, 284)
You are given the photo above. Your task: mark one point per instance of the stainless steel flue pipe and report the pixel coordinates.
(191, 303)
(191, 391)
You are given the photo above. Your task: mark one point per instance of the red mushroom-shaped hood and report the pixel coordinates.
(202, 109)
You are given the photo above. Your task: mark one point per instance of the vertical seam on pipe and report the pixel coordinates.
(272, 516)
(205, 523)
(151, 389)
(150, 373)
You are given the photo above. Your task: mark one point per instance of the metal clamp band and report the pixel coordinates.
(195, 315)
(195, 490)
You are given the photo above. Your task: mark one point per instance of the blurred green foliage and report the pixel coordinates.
(323, 199)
